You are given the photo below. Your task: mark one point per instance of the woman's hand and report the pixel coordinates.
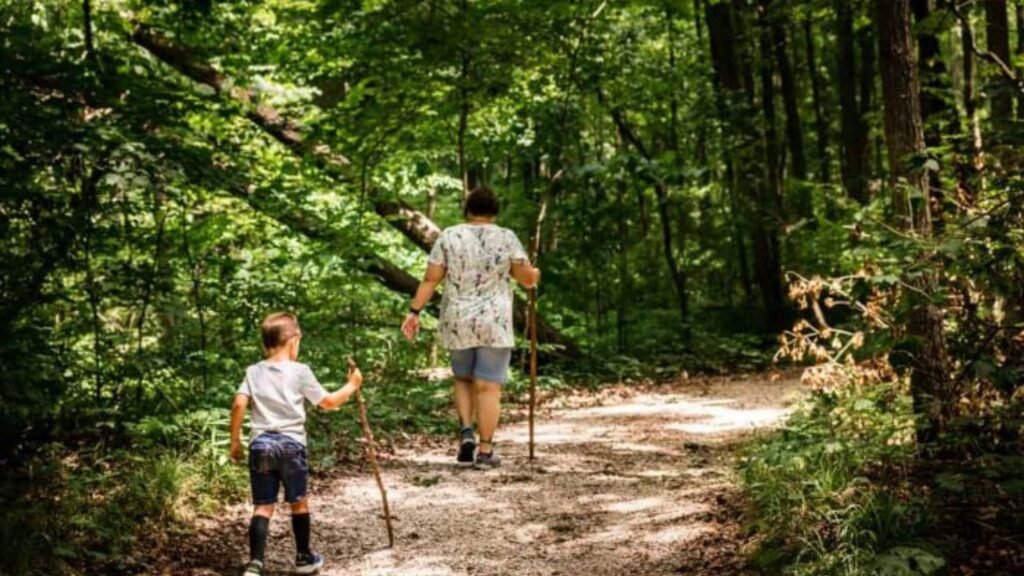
(411, 326)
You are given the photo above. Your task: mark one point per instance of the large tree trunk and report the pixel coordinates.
(997, 34)
(820, 120)
(747, 157)
(769, 204)
(413, 224)
(905, 138)
(853, 134)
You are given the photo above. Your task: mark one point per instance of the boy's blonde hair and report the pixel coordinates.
(278, 328)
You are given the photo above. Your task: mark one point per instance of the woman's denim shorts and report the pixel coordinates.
(482, 363)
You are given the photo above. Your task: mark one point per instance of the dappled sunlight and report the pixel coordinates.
(635, 505)
(616, 489)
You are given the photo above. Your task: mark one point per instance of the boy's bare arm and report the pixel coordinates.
(237, 415)
(342, 395)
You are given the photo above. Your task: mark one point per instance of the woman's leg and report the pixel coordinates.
(488, 399)
(463, 392)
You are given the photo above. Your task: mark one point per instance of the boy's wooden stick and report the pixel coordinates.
(371, 454)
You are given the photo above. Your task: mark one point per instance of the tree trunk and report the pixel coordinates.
(866, 102)
(997, 34)
(969, 173)
(935, 111)
(747, 155)
(1019, 17)
(854, 141)
(802, 206)
(905, 138)
(768, 263)
(820, 121)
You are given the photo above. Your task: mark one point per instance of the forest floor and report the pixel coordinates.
(627, 480)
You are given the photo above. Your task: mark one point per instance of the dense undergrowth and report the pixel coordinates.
(844, 489)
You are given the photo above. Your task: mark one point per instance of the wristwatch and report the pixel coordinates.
(414, 311)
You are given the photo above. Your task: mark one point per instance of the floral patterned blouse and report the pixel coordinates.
(476, 309)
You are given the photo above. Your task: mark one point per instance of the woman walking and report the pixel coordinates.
(476, 259)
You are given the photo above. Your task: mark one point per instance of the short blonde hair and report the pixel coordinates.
(278, 328)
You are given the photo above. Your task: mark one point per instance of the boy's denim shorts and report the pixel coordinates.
(482, 363)
(275, 460)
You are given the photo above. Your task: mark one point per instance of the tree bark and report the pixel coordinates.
(767, 247)
(935, 110)
(794, 129)
(905, 138)
(997, 34)
(747, 155)
(820, 121)
(1019, 17)
(853, 162)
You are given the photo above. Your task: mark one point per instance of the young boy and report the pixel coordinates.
(275, 390)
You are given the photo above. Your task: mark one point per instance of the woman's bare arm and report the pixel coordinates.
(526, 274)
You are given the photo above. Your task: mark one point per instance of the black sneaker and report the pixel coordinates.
(490, 460)
(467, 448)
(253, 568)
(308, 563)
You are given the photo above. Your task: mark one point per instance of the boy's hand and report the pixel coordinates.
(355, 375)
(411, 326)
(237, 452)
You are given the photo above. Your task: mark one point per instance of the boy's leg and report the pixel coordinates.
(265, 482)
(259, 527)
(301, 526)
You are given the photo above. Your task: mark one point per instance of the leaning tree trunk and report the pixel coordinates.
(904, 133)
(410, 222)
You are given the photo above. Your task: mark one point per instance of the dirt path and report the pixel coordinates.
(626, 482)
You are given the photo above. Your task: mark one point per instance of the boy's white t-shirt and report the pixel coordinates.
(276, 392)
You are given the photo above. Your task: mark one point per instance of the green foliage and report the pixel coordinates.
(830, 494)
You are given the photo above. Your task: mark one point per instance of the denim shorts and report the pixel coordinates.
(276, 460)
(482, 363)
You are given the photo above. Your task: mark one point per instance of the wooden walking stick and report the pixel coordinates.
(371, 455)
(532, 319)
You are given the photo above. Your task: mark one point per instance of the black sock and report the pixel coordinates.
(258, 529)
(300, 527)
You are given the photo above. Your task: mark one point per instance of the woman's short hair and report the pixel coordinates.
(481, 202)
(278, 328)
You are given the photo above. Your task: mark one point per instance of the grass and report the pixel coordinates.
(832, 492)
